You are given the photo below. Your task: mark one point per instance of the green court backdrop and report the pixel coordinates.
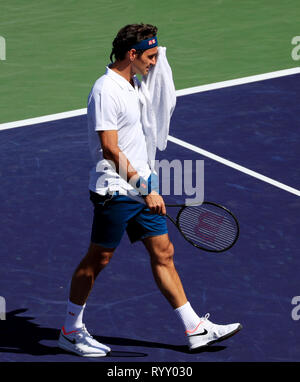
(56, 49)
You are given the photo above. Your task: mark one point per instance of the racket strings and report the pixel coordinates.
(224, 237)
(208, 226)
(226, 232)
(189, 218)
(207, 240)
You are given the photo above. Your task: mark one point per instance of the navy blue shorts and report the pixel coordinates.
(115, 214)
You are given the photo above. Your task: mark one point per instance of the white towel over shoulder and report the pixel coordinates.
(158, 100)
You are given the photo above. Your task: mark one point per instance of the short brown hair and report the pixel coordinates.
(130, 35)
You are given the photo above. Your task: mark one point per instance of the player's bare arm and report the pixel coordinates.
(112, 152)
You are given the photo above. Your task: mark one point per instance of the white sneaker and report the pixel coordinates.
(207, 333)
(82, 343)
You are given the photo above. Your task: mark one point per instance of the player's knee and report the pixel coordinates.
(100, 256)
(170, 250)
(165, 255)
(104, 259)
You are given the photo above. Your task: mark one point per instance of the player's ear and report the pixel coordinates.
(132, 54)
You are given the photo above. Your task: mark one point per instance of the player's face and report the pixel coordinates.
(143, 63)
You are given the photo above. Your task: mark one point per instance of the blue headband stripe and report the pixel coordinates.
(146, 44)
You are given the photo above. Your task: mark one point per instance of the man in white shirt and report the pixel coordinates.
(121, 169)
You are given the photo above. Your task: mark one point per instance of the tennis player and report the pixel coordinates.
(118, 148)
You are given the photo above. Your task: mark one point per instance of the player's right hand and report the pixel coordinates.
(155, 203)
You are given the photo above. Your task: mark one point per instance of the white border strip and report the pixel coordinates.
(234, 165)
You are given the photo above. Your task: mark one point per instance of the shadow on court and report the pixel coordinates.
(19, 335)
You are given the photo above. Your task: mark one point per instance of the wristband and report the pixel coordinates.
(145, 187)
(142, 186)
(153, 184)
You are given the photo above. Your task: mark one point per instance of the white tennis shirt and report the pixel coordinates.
(113, 104)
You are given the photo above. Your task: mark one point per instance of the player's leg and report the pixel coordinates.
(107, 230)
(87, 271)
(161, 253)
(198, 330)
(74, 337)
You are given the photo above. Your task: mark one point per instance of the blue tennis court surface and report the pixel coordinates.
(45, 228)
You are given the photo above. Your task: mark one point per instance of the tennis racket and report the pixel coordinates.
(207, 226)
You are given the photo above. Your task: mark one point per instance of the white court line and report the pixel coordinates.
(238, 81)
(234, 165)
(193, 90)
(45, 118)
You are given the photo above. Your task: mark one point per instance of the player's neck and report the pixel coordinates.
(124, 69)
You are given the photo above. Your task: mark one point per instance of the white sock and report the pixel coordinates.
(73, 319)
(187, 316)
